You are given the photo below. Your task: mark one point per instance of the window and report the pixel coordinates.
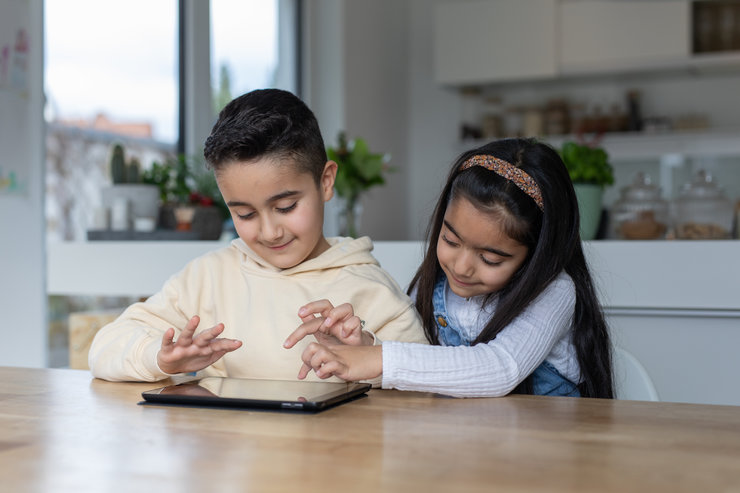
(117, 63)
(112, 76)
(252, 47)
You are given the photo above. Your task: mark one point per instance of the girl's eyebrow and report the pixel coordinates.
(484, 248)
(274, 198)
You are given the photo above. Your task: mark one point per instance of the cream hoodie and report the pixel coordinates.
(258, 304)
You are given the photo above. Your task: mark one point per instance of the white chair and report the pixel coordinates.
(631, 380)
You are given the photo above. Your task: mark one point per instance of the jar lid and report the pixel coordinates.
(641, 189)
(701, 186)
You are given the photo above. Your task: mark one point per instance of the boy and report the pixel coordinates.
(230, 311)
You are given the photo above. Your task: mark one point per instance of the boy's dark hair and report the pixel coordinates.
(554, 244)
(267, 123)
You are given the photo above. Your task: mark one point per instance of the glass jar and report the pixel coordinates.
(640, 213)
(702, 210)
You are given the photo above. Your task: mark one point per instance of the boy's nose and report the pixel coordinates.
(271, 230)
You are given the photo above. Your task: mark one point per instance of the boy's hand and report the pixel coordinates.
(333, 325)
(190, 353)
(351, 363)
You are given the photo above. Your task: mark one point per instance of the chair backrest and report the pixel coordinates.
(631, 380)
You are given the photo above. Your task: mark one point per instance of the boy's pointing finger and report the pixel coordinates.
(306, 328)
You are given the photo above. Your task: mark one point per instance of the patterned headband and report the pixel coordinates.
(515, 175)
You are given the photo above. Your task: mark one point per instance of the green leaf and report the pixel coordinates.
(587, 164)
(358, 168)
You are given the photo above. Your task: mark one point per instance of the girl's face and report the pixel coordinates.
(475, 254)
(277, 212)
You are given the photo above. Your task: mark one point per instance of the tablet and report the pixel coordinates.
(255, 393)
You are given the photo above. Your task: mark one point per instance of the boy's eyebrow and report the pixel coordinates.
(274, 198)
(485, 248)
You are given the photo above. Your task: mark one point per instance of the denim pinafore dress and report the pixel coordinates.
(546, 380)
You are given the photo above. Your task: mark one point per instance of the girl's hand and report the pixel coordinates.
(190, 353)
(333, 325)
(351, 363)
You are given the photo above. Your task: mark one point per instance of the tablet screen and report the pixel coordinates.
(278, 394)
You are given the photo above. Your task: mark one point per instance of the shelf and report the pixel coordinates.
(661, 68)
(720, 142)
(689, 143)
(698, 64)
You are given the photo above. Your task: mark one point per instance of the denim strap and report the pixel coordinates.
(448, 334)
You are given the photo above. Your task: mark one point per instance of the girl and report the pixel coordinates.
(503, 292)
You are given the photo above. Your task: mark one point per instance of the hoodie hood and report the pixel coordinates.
(342, 252)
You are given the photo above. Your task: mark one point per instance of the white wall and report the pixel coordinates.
(323, 64)
(376, 88)
(356, 78)
(433, 121)
(322, 76)
(22, 254)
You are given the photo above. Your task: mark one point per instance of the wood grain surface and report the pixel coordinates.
(62, 430)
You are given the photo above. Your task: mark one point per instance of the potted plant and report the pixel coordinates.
(190, 197)
(358, 170)
(590, 171)
(129, 197)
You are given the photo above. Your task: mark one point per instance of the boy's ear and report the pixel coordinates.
(327, 180)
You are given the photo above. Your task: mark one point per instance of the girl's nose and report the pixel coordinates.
(464, 264)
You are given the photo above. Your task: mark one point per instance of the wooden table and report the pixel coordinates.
(61, 430)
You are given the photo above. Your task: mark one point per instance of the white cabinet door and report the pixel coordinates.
(690, 358)
(497, 40)
(609, 34)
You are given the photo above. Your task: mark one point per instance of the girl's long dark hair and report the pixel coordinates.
(554, 244)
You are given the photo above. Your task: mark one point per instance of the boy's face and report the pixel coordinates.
(277, 211)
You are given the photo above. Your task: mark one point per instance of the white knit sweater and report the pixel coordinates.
(542, 332)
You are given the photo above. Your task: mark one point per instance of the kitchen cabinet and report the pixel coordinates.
(674, 306)
(494, 42)
(607, 35)
(473, 41)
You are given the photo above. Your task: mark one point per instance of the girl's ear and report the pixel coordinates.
(327, 180)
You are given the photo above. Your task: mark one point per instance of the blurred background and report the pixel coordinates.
(653, 83)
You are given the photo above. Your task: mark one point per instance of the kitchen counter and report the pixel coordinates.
(641, 275)
(675, 305)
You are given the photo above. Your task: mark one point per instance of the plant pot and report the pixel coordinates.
(167, 218)
(184, 215)
(589, 208)
(142, 199)
(207, 223)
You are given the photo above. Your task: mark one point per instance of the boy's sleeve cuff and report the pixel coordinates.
(151, 352)
(376, 339)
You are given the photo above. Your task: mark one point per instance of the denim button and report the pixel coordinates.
(441, 321)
